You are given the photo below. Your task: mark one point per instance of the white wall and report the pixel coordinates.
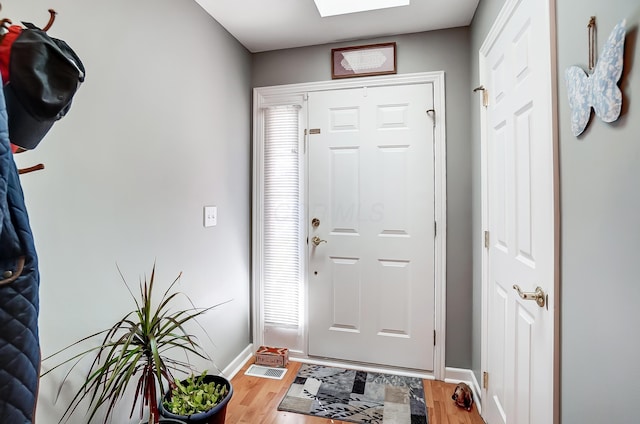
(160, 128)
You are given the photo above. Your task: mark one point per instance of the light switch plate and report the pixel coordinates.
(210, 216)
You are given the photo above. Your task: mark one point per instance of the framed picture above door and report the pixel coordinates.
(359, 61)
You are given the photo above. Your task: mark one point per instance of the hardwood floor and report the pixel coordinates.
(255, 401)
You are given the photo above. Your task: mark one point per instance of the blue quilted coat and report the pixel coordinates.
(19, 281)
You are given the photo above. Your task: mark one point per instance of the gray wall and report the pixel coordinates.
(160, 128)
(446, 50)
(600, 201)
(600, 230)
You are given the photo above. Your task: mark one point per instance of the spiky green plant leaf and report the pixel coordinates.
(135, 352)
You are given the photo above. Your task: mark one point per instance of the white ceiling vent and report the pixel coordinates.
(266, 372)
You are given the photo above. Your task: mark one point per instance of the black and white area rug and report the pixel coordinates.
(356, 396)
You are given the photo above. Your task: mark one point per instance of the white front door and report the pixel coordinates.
(519, 214)
(371, 189)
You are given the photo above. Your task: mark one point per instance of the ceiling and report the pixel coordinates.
(263, 25)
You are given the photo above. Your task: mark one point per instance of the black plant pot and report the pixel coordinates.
(215, 415)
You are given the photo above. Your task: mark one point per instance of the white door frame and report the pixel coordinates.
(496, 29)
(263, 96)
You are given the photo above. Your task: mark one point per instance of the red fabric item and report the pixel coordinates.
(5, 54)
(5, 50)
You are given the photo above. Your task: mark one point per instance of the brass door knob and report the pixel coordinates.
(537, 295)
(317, 240)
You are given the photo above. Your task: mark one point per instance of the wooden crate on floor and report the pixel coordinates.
(272, 356)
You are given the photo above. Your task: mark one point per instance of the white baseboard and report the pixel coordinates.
(236, 365)
(461, 375)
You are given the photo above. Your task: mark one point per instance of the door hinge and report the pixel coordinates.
(306, 136)
(432, 114)
(485, 95)
(486, 239)
(485, 380)
(435, 229)
(434, 337)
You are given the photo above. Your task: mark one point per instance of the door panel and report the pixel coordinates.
(371, 185)
(520, 217)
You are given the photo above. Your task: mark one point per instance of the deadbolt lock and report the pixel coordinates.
(315, 222)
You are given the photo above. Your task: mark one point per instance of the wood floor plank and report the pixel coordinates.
(255, 401)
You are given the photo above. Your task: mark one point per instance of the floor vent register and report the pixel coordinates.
(266, 372)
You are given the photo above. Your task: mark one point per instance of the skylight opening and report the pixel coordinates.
(343, 7)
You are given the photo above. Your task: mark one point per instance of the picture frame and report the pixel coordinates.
(367, 60)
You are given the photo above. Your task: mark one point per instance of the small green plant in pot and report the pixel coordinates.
(138, 352)
(198, 399)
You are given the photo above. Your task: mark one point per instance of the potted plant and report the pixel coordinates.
(135, 352)
(199, 399)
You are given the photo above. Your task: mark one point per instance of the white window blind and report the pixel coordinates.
(282, 259)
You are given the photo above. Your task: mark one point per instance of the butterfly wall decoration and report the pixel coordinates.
(599, 90)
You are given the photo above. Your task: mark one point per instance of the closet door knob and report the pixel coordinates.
(537, 295)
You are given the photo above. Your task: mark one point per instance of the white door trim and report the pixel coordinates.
(496, 29)
(263, 96)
